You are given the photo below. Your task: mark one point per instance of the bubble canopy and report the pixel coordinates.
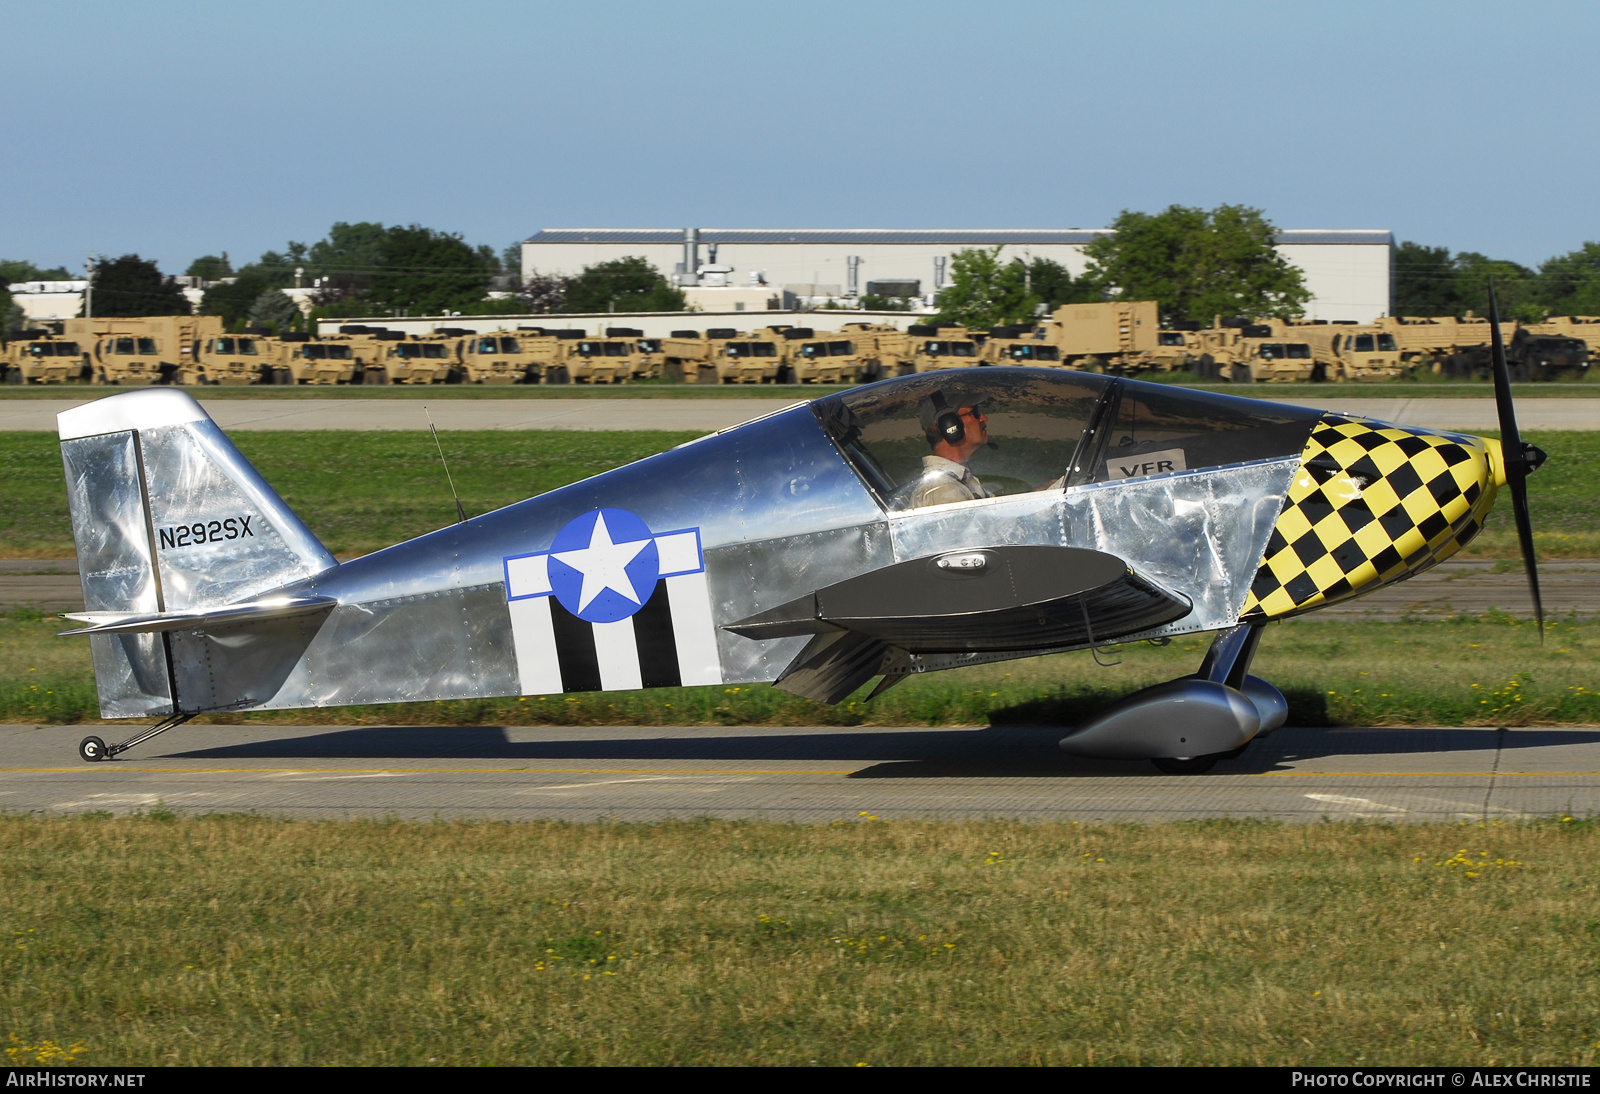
(1054, 429)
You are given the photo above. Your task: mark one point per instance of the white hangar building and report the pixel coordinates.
(1349, 272)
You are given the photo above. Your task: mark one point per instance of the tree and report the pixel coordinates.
(131, 286)
(1425, 281)
(1516, 287)
(1570, 283)
(430, 272)
(1052, 284)
(273, 308)
(543, 293)
(14, 270)
(985, 292)
(234, 301)
(1198, 264)
(210, 267)
(12, 317)
(623, 284)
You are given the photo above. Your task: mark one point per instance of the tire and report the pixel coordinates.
(1189, 765)
(1206, 367)
(1319, 373)
(13, 376)
(558, 375)
(786, 374)
(375, 376)
(707, 374)
(91, 750)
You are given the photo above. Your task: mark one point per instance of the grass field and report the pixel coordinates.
(1467, 671)
(362, 491)
(243, 940)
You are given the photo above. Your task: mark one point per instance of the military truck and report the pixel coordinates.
(248, 358)
(1349, 351)
(685, 354)
(561, 361)
(155, 349)
(498, 357)
(1530, 356)
(818, 357)
(306, 359)
(755, 358)
(40, 357)
(1019, 344)
(1241, 352)
(1113, 336)
(877, 346)
(640, 360)
(1174, 347)
(949, 347)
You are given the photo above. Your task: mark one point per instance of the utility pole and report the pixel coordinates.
(88, 288)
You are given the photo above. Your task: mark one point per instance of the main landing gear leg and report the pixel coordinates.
(1226, 662)
(93, 749)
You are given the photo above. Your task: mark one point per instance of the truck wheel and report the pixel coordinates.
(1206, 367)
(557, 375)
(13, 375)
(375, 376)
(786, 374)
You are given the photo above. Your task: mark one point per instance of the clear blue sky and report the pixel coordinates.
(176, 129)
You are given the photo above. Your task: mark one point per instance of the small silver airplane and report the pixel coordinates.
(922, 523)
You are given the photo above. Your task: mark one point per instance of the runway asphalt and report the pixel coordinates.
(804, 775)
(39, 415)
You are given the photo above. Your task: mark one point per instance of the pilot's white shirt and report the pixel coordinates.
(944, 481)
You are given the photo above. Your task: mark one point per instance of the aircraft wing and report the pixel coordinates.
(991, 599)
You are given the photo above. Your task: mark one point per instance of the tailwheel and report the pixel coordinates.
(91, 749)
(1187, 765)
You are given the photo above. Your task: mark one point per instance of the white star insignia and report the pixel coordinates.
(603, 564)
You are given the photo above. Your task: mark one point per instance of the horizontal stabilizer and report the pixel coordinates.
(254, 611)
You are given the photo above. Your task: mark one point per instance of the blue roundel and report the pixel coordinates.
(604, 565)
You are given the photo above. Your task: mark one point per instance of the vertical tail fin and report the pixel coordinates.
(167, 515)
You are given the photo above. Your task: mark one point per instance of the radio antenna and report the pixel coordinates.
(461, 513)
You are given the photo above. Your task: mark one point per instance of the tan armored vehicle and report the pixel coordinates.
(1020, 344)
(248, 358)
(571, 356)
(1266, 354)
(425, 360)
(1113, 336)
(948, 347)
(819, 357)
(39, 357)
(304, 359)
(685, 354)
(499, 358)
(1174, 348)
(756, 358)
(155, 349)
(640, 359)
(877, 349)
(1348, 351)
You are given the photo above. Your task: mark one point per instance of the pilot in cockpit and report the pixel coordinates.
(954, 433)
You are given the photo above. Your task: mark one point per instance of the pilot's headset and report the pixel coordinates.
(941, 420)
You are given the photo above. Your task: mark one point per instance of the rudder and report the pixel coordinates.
(167, 515)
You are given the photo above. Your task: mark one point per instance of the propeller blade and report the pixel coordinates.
(1515, 454)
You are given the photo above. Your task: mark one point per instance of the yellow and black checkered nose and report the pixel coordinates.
(1370, 504)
